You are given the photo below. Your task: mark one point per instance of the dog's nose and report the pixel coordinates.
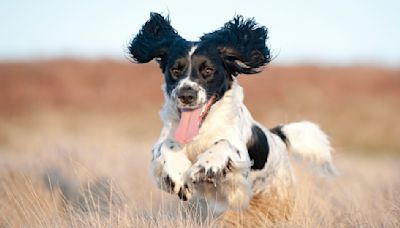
(187, 95)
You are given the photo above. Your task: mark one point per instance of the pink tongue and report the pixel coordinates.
(188, 126)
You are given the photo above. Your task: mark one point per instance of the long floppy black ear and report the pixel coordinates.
(241, 44)
(153, 40)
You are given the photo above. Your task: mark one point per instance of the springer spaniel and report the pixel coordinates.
(210, 148)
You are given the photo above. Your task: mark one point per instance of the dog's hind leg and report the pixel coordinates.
(264, 210)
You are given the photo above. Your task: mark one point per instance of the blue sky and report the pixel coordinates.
(301, 31)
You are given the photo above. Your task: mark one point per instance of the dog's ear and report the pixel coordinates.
(241, 44)
(154, 40)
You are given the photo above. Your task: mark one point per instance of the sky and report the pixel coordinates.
(336, 32)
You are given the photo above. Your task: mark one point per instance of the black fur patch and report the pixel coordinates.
(258, 148)
(278, 131)
(237, 48)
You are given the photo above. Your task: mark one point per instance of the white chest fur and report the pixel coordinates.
(227, 119)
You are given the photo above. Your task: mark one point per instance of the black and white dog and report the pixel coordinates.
(210, 146)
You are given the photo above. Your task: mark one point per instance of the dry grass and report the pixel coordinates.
(75, 141)
(103, 172)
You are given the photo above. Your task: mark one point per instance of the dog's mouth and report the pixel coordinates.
(191, 121)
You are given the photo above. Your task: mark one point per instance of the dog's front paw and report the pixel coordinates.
(170, 167)
(211, 167)
(185, 192)
(209, 173)
(176, 185)
(169, 184)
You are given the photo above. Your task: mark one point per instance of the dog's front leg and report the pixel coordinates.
(169, 166)
(222, 171)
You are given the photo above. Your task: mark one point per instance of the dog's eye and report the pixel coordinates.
(176, 72)
(207, 72)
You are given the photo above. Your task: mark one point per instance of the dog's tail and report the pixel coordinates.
(307, 142)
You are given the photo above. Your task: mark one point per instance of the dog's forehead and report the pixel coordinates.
(179, 51)
(204, 49)
(200, 54)
(192, 53)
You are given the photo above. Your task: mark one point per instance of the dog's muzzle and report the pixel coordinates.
(187, 96)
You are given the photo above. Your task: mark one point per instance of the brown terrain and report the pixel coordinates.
(75, 141)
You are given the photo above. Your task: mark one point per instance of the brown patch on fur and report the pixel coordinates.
(264, 209)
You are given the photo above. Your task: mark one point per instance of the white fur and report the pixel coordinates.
(192, 50)
(308, 142)
(170, 162)
(240, 183)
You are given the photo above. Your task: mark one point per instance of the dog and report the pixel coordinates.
(210, 148)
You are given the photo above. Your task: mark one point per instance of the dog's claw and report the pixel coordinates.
(184, 193)
(181, 195)
(209, 175)
(169, 183)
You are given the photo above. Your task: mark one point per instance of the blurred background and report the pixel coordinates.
(335, 62)
(73, 106)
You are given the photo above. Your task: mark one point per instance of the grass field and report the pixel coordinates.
(75, 141)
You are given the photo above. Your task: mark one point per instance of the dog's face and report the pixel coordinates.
(197, 74)
(195, 77)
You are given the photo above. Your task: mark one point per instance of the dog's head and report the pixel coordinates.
(197, 74)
